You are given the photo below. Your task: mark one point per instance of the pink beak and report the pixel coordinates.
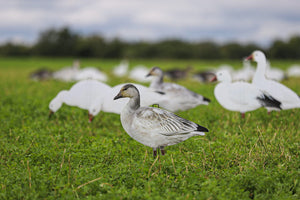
(249, 57)
(213, 79)
(91, 117)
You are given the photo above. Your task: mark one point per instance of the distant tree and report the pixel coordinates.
(141, 49)
(10, 49)
(294, 47)
(65, 42)
(53, 42)
(114, 48)
(279, 49)
(92, 46)
(206, 50)
(174, 48)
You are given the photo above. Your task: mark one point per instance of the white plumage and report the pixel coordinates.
(180, 98)
(288, 98)
(293, 71)
(90, 73)
(138, 73)
(274, 73)
(240, 96)
(86, 94)
(154, 127)
(244, 74)
(67, 74)
(121, 69)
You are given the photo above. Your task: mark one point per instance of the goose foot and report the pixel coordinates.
(162, 151)
(154, 153)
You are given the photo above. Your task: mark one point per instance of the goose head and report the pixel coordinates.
(155, 71)
(129, 91)
(57, 102)
(257, 56)
(223, 76)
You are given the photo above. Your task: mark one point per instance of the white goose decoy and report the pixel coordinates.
(154, 127)
(148, 98)
(86, 94)
(274, 73)
(90, 73)
(288, 98)
(293, 71)
(138, 73)
(244, 74)
(180, 97)
(67, 74)
(121, 69)
(240, 96)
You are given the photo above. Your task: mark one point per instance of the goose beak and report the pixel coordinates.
(119, 95)
(213, 79)
(50, 113)
(150, 74)
(249, 57)
(91, 117)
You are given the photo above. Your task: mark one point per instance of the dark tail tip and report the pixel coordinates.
(160, 92)
(206, 99)
(201, 128)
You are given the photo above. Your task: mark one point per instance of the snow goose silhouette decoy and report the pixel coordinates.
(67, 74)
(274, 73)
(138, 73)
(86, 94)
(288, 98)
(154, 127)
(240, 96)
(121, 69)
(244, 74)
(90, 73)
(293, 71)
(180, 97)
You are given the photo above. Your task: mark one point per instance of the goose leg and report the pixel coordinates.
(154, 153)
(162, 150)
(91, 117)
(243, 115)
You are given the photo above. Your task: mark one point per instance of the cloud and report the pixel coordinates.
(249, 20)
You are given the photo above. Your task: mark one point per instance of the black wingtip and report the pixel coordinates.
(160, 92)
(202, 129)
(269, 101)
(206, 99)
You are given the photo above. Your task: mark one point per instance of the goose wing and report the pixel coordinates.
(163, 122)
(243, 93)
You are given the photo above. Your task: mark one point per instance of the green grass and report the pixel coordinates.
(68, 158)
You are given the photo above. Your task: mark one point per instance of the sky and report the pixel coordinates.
(258, 21)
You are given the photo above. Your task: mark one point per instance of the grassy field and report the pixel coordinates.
(68, 158)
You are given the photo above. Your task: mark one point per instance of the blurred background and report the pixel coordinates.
(183, 29)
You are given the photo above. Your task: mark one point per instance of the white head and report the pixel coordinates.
(57, 102)
(223, 76)
(257, 56)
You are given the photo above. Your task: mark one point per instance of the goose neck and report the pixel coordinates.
(260, 70)
(157, 81)
(134, 103)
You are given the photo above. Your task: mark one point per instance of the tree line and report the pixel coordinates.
(64, 42)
